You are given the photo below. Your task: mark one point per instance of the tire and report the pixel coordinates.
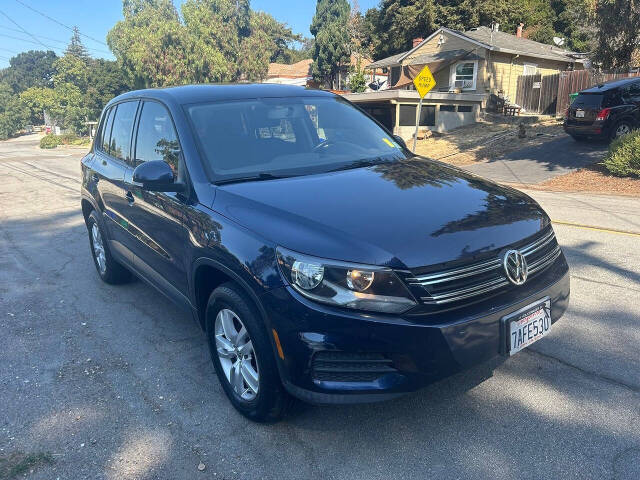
(620, 129)
(109, 270)
(261, 400)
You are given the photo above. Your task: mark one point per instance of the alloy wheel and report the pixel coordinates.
(623, 129)
(98, 248)
(236, 354)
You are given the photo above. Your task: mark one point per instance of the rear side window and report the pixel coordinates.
(633, 94)
(157, 139)
(588, 100)
(120, 146)
(105, 133)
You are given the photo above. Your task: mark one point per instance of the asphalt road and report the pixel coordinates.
(538, 163)
(115, 382)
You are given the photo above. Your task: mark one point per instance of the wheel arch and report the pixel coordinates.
(209, 274)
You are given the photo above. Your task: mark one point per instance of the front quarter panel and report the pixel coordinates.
(224, 242)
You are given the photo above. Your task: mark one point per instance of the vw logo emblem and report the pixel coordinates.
(515, 266)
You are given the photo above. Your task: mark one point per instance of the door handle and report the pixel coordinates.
(130, 198)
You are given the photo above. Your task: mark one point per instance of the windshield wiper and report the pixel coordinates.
(362, 163)
(252, 178)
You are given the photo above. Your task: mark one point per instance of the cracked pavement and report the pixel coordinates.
(116, 382)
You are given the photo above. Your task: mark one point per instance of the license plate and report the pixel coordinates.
(579, 113)
(528, 325)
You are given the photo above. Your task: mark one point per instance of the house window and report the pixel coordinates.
(465, 108)
(447, 108)
(463, 75)
(407, 115)
(530, 69)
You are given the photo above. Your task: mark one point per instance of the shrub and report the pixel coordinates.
(49, 141)
(623, 158)
(68, 139)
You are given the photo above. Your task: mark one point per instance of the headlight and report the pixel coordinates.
(361, 287)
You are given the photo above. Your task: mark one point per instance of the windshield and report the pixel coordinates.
(274, 137)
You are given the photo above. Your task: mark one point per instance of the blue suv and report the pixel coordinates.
(323, 260)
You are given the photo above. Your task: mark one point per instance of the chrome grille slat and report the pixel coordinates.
(463, 276)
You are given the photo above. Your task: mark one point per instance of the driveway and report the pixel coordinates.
(115, 382)
(542, 162)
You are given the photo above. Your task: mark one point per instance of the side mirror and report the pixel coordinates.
(399, 140)
(156, 176)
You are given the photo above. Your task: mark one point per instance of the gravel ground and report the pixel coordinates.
(116, 383)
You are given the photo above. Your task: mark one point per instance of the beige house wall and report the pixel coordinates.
(504, 69)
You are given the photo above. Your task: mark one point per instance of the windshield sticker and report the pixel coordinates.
(388, 142)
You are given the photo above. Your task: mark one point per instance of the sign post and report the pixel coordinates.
(423, 82)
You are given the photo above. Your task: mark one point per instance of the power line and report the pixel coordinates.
(10, 51)
(54, 40)
(31, 41)
(16, 24)
(59, 23)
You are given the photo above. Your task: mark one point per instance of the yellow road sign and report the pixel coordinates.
(424, 82)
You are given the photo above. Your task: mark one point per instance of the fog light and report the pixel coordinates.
(359, 280)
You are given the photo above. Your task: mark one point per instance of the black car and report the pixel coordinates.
(608, 110)
(323, 260)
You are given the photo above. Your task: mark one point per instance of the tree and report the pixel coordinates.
(213, 41)
(76, 47)
(331, 47)
(29, 69)
(618, 35)
(13, 113)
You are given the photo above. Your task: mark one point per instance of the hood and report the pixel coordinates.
(405, 214)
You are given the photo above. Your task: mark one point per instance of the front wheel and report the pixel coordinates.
(243, 357)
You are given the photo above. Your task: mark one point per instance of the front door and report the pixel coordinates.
(156, 218)
(109, 169)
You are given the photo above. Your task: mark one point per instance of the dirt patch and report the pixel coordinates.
(15, 464)
(592, 179)
(486, 140)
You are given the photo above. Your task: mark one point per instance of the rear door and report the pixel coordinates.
(156, 218)
(633, 99)
(109, 168)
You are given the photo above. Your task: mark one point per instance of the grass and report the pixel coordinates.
(14, 464)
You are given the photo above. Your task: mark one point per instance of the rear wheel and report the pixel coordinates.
(621, 129)
(243, 357)
(109, 270)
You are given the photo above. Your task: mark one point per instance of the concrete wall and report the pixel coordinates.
(444, 120)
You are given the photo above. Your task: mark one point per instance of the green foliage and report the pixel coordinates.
(391, 28)
(623, 157)
(14, 115)
(213, 41)
(29, 69)
(76, 48)
(50, 141)
(331, 47)
(618, 36)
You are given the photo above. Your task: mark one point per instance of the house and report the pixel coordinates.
(468, 67)
(298, 73)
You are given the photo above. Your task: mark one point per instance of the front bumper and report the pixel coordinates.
(367, 357)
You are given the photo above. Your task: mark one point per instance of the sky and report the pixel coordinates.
(95, 19)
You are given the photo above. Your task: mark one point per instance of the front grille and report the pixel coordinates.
(469, 281)
(350, 366)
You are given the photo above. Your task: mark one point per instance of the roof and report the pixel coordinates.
(603, 87)
(491, 40)
(210, 93)
(443, 57)
(506, 42)
(295, 70)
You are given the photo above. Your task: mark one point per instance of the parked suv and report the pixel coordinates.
(608, 110)
(323, 260)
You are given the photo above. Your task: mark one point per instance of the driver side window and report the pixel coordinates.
(157, 139)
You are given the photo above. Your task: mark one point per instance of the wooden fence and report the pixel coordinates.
(538, 94)
(572, 82)
(549, 95)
